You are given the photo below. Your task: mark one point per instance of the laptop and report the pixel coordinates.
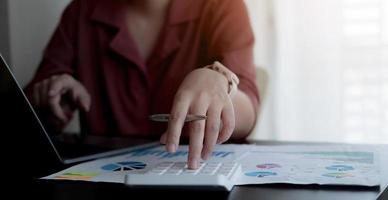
(383, 195)
(29, 148)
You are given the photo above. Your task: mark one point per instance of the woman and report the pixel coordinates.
(121, 61)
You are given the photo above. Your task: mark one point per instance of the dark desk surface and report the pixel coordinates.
(84, 191)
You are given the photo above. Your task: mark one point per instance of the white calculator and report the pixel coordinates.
(210, 175)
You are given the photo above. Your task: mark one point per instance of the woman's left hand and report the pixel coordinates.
(202, 92)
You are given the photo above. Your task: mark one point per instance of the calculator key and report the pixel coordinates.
(165, 164)
(172, 172)
(207, 172)
(229, 164)
(160, 168)
(155, 172)
(213, 164)
(226, 169)
(188, 171)
(179, 164)
(176, 167)
(177, 173)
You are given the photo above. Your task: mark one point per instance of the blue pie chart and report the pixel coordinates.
(124, 166)
(261, 174)
(340, 168)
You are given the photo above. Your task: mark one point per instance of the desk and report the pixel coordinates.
(84, 191)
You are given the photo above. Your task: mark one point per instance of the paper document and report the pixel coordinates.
(325, 165)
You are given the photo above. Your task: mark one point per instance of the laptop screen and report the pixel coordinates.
(23, 138)
(384, 194)
(21, 125)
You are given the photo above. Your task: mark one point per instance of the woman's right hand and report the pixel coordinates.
(50, 94)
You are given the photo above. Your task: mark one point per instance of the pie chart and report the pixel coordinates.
(340, 168)
(124, 166)
(268, 166)
(260, 174)
(338, 175)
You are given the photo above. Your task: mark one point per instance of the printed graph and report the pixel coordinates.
(124, 166)
(261, 174)
(80, 176)
(340, 167)
(337, 175)
(268, 166)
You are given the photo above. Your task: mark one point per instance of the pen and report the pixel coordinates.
(166, 117)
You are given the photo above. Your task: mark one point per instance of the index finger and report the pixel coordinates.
(175, 124)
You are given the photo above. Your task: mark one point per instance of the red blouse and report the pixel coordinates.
(93, 44)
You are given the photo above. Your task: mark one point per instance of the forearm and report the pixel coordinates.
(244, 115)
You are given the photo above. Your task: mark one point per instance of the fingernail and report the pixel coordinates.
(171, 147)
(193, 164)
(205, 156)
(218, 141)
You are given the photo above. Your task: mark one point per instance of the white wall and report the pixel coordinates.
(31, 25)
(261, 13)
(4, 33)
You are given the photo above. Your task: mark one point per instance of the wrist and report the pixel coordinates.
(232, 79)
